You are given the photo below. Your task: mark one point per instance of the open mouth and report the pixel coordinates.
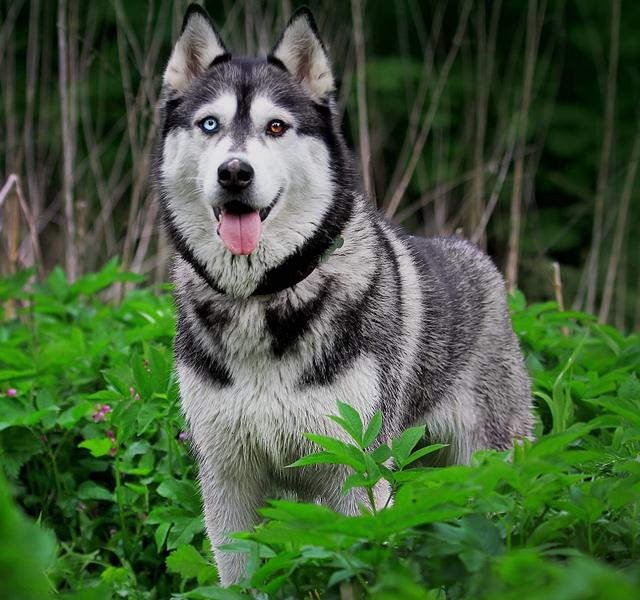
(241, 226)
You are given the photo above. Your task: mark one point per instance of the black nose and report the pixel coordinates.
(235, 174)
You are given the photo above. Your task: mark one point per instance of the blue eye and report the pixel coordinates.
(209, 125)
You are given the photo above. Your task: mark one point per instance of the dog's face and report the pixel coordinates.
(245, 161)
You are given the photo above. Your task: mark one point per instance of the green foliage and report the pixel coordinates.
(93, 449)
(369, 466)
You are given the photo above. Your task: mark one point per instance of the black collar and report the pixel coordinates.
(298, 266)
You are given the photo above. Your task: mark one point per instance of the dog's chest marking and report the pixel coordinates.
(199, 357)
(339, 353)
(287, 323)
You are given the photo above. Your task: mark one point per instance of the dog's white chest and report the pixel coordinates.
(265, 411)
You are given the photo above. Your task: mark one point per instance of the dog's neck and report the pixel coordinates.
(297, 267)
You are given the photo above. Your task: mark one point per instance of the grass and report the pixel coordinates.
(98, 496)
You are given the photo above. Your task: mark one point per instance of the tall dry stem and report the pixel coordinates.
(71, 255)
(363, 118)
(621, 224)
(427, 123)
(534, 29)
(605, 159)
(485, 61)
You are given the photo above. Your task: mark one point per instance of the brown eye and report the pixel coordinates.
(276, 128)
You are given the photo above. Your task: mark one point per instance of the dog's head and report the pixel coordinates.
(250, 161)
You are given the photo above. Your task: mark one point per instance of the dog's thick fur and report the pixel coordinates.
(417, 328)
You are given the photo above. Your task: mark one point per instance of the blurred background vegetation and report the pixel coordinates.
(514, 123)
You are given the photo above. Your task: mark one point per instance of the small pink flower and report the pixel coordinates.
(136, 397)
(132, 391)
(146, 366)
(113, 451)
(184, 436)
(101, 411)
(111, 435)
(11, 392)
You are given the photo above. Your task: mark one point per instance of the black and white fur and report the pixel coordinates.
(417, 328)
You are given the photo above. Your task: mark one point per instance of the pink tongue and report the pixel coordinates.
(240, 233)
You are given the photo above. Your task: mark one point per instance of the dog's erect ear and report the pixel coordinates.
(303, 54)
(197, 47)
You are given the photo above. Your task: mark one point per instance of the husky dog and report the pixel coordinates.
(277, 320)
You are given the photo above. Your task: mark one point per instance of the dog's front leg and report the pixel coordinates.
(229, 505)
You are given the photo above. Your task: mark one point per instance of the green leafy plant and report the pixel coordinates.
(369, 466)
(95, 455)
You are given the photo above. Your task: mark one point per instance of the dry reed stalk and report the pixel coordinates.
(9, 136)
(8, 24)
(427, 123)
(441, 202)
(427, 42)
(11, 220)
(480, 230)
(605, 159)
(476, 207)
(31, 167)
(557, 291)
(534, 29)
(361, 86)
(71, 257)
(132, 132)
(485, 61)
(13, 208)
(620, 321)
(149, 227)
(141, 144)
(621, 224)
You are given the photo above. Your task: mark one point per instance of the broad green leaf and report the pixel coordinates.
(630, 389)
(217, 593)
(183, 493)
(97, 446)
(187, 562)
(160, 535)
(345, 451)
(401, 448)
(352, 420)
(354, 480)
(381, 453)
(183, 532)
(373, 429)
(319, 458)
(90, 490)
(423, 452)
